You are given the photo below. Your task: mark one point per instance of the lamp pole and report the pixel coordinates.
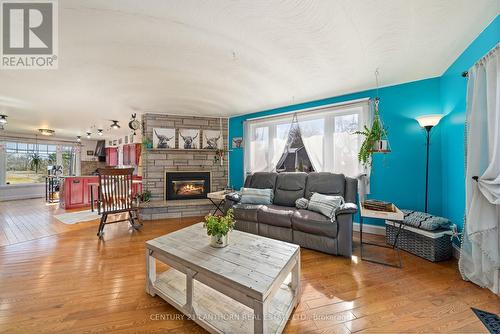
(428, 132)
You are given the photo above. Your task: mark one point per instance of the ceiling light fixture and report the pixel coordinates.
(88, 134)
(78, 138)
(3, 119)
(115, 125)
(99, 132)
(46, 132)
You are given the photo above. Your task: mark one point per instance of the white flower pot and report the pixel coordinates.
(219, 241)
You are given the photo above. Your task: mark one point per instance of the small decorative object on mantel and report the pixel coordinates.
(147, 143)
(376, 139)
(218, 228)
(219, 155)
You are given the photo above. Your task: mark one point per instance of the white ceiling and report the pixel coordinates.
(226, 57)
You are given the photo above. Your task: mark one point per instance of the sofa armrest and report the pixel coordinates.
(346, 208)
(231, 199)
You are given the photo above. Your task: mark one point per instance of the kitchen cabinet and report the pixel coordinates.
(111, 156)
(75, 191)
(131, 154)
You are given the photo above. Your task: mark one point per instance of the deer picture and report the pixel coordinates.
(163, 140)
(212, 143)
(189, 141)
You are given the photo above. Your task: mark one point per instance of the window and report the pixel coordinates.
(322, 140)
(67, 158)
(27, 162)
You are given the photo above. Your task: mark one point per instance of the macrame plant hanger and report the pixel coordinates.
(382, 145)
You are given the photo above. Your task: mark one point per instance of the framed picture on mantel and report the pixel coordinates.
(212, 139)
(189, 139)
(163, 138)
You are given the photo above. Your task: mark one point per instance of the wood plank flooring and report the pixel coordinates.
(67, 281)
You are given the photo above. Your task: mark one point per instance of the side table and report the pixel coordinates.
(397, 217)
(218, 198)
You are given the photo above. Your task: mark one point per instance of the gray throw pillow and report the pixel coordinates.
(324, 204)
(256, 196)
(301, 203)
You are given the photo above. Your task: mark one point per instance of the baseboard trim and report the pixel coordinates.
(372, 229)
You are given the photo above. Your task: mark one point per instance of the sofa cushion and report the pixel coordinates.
(324, 204)
(313, 223)
(256, 196)
(262, 180)
(247, 212)
(289, 188)
(275, 215)
(325, 183)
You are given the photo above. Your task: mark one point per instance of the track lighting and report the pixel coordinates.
(78, 138)
(99, 132)
(115, 125)
(3, 119)
(88, 134)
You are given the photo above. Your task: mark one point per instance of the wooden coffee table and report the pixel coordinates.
(250, 286)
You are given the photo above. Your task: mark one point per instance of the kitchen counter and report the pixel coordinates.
(74, 191)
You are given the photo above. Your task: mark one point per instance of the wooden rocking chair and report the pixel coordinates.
(115, 196)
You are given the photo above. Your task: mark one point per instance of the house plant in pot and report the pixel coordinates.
(218, 228)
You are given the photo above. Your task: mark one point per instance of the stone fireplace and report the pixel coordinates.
(183, 195)
(181, 185)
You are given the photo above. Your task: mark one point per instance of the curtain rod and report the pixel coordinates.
(327, 106)
(465, 74)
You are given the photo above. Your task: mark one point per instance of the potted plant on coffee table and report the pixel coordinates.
(218, 228)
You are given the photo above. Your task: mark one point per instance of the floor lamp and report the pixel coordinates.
(428, 122)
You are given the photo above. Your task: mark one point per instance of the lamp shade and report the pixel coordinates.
(429, 120)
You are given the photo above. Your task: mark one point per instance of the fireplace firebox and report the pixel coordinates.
(186, 185)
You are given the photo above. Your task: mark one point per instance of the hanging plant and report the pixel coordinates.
(35, 161)
(375, 139)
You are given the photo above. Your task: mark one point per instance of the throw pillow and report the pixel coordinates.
(324, 204)
(301, 203)
(425, 221)
(256, 196)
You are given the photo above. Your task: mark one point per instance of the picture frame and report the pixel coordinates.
(90, 153)
(164, 138)
(237, 142)
(212, 140)
(189, 139)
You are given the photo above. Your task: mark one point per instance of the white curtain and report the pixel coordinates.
(265, 142)
(480, 251)
(327, 134)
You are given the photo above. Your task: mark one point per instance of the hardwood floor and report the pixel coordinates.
(70, 282)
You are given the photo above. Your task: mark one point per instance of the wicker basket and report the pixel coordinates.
(431, 245)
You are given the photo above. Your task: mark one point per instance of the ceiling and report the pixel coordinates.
(226, 57)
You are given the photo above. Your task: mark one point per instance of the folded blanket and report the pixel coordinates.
(424, 220)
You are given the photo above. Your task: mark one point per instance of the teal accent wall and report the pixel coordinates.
(399, 177)
(453, 96)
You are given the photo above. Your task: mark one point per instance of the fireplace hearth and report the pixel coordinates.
(181, 185)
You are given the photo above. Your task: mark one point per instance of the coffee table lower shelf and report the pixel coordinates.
(217, 312)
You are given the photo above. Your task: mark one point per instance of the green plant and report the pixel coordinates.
(35, 161)
(219, 154)
(147, 143)
(219, 225)
(145, 196)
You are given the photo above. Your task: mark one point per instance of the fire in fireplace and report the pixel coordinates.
(186, 185)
